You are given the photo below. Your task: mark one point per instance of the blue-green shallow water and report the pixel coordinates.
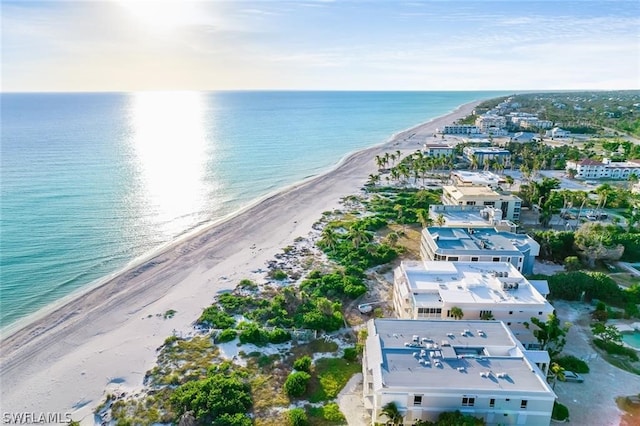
(632, 339)
(89, 182)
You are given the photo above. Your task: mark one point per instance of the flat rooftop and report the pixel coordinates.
(482, 241)
(456, 355)
(477, 191)
(478, 178)
(469, 283)
(467, 218)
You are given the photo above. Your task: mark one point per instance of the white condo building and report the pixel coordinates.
(605, 169)
(437, 150)
(482, 196)
(460, 129)
(469, 217)
(488, 122)
(431, 289)
(477, 367)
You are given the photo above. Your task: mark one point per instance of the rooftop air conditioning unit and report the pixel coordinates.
(505, 286)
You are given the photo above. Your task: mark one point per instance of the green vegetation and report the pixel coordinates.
(331, 375)
(303, 364)
(215, 318)
(169, 314)
(297, 417)
(609, 339)
(572, 363)
(220, 394)
(326, 415)
(253, 333)
(296, 383)
(560, 412)
(227, 335)
(550, 334)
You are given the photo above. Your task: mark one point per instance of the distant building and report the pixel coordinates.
(460, 129)
(490, 152)
(482, 196)
(479, 245)
(437, 150)
(557, 132)
(524, 137)
(488, 122)
(477, 367)
(477, 178)
(605, 169)
(470, 217)
(431, 289)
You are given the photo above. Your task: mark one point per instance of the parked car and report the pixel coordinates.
(570, 376)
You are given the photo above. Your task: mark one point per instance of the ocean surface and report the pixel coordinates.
(91, 182)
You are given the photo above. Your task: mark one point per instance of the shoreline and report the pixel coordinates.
(115, 325)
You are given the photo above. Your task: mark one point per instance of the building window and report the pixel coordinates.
(496, 259)
(417, 400)
(540, 313)
(492, 402)
(468, 401)
(523, 404)
(474, 259)
(485, 314)
(510, 312)
(453, 258)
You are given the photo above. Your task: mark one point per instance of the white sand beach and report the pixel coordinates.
(63, 361)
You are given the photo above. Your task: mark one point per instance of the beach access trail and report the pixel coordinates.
(63, 361)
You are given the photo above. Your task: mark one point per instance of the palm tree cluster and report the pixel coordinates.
(414, 166)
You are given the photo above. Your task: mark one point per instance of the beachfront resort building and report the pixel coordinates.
(479, 245)
(496, 290)
(605, 169)
(469, 217)
(491, 153)
(488, 123)
(460, 129)
(477, 178)
(482, 196)
(477, 367)
(437, 150)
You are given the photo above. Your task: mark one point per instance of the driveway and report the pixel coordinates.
(591, 403)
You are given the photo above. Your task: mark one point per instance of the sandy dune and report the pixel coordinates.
(63, 361)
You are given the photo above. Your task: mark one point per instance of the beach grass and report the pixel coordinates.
(331, 375)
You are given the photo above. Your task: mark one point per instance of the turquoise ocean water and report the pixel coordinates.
(90, 182)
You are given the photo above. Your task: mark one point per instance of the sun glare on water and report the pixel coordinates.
(169, 143)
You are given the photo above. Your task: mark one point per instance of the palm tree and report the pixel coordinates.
(423, 217)
(379, 161)
(373, 179)
(330, 239)
(359, 236)
(457, 313)
(440, 220)
(557, 372)
(391, 411)
(474, 162)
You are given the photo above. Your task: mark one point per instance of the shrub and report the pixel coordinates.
(227, 335)
(616, 349)
(253, 333)
(350, 354)
(297, 417)
(279, 275)
(332, 413)
(278, 335)
(572, 363)
(303, 364)
(216, 318)
(296, 383)
(560, 412)
(237, 419)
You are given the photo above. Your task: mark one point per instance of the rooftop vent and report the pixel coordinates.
(481, 333)
(450, 335)
(438, 364)
(502, 375)
(462, 369)
(485, 373)
(445, 343)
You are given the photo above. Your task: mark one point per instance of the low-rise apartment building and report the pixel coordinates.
(477, 367)
(488, 122)
(437, 150)
(460, 129)
(432, 289)
(491, 153)
(605, 169)
(482, 196)
(477, 178)
(479, 245)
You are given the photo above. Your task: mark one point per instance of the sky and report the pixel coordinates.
(137, 45)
